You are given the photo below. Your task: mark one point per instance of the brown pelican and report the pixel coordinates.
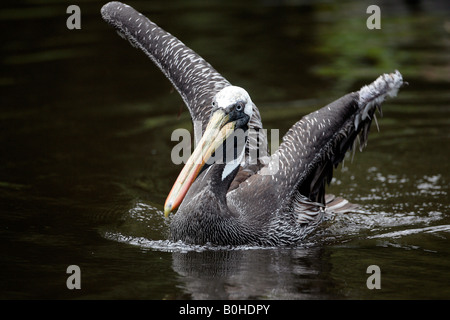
(249, 197)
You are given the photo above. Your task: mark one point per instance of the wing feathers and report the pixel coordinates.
(318, 142)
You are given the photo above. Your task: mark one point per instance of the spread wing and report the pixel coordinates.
(195, 79)
(303, 165)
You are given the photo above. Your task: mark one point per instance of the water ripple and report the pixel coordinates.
(407, 232)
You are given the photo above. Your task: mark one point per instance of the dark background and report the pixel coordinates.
(85, 127)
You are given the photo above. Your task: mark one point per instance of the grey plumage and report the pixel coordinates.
(276, 202)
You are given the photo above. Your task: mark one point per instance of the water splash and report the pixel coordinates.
(387, 213)
(178, 246)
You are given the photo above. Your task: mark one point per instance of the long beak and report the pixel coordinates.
(217, 131)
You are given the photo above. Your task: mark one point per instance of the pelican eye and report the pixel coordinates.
(239, 107)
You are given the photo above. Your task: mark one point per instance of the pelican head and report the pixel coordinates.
(232, 109)
(233, 99)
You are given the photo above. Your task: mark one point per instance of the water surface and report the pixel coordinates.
(85, 168)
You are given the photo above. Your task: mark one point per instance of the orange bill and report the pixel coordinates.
(217, 131)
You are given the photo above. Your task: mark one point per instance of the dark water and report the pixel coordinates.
(85, 128)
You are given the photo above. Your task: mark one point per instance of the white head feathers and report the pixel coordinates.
(232, 95)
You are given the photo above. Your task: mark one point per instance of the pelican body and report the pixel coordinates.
(245, 196)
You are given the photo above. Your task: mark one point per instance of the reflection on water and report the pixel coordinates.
(85, 132)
